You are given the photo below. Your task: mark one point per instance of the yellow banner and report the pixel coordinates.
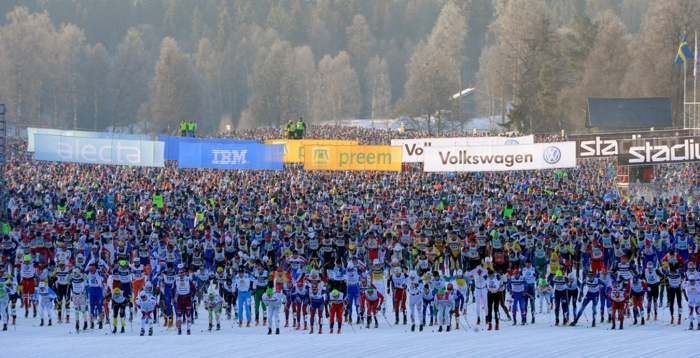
(357, 157)
(294, 148)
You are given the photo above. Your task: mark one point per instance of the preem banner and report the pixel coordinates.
(659, 151)
(500, 158)
(352, 157)
(602, 145)
(98, 151)
(172, 143)
(80, 134)
(413, 149)
(211, 155)
(294, 149)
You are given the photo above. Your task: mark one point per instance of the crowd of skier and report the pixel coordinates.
(96, 247)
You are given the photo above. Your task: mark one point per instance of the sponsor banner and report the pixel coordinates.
(80, 134)
(413, 148)
(172, 143)
(206, 154)
(98, 151)
(607, 144)
(500, 158)
(352, 157)
(659, 151)
(294, 148)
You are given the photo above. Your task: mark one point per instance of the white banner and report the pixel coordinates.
(80, 134)
(500, 158)
(413, 148)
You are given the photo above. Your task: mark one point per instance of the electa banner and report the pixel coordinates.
(500, 158)
(607, 144)
(413, 149)
(355, 157)
(80, 134)
(98, 151)
(659, 151)
(211, 155)
(172, 143)
(294, 148)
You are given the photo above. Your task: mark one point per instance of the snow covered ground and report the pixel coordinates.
(539, 340)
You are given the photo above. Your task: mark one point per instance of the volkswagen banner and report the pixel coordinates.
(413, 149)
(602, 145)
(500, 158)
(98, 151)
(659, 151)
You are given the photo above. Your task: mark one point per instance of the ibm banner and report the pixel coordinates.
(98, 151)
(500, 158)
(294, 148)
(659, 151)
(607, 144)
(79, 134)
(352, 157)
(413, 149)
(172, 144)
(228, 156)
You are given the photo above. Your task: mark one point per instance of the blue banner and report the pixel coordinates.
(98, 151)
(172, 144)
(80, 134)
(228, 156)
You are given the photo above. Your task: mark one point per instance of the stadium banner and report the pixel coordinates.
(294, 148)
(172, 143)
(352, 157)
(31, 141)
(659, 151)
(211, 155)
(413, 148)
(98, 151)
(500, 158)
(603, 145)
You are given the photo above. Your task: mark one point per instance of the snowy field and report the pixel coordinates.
(539, 340)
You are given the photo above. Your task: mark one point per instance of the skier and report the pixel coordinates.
(147, 304)
(95, 279)
(244, 284)
(479, 276)
(60, 274)
(336, 302)
(691, 292)
(675, 281)
(652, 278)
(317, 297)
(45, 297)
(397, 282)
(262, 278)
(593, 286)
(607, 280)
(300, 301)
(373, 300)
(183, 290)
(457, 300)
(120, 301)
(28, 273)
(558, 282)
(78, 282)
(530, 276)
(619, 298)
(637, 289)
(544, 293)
(572, 294)
(516, 287)
(274, 301)
(4, 302)
(414, 288)
(352, 279)
(493, 285)
(213, 304)
(444, 302)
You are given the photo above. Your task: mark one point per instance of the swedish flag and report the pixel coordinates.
(684, 52)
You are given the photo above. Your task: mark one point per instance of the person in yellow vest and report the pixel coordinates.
(191, 127)
(158, 200)
(291, 130)
(300, 129)
(183, 129)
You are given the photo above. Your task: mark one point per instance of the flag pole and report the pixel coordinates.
(685, 82)
(694, 123)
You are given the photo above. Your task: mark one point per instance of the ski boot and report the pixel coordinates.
(655, 317)
(602, 319)
(573, 323)
(457, 325)
(566, 321)
(14, 320)
(264, 321)
(621, 324)
(523, 321)
(440, 329)
(679, 319)
(320, 329)
(4, 327)
(240, 324)
(143, 332)
(497, 326)
(150, 331)
(269, 331)
(248, 324)
(376, 323)
(34, 312)
(179, 331)
(413, 327)
(338, 330)
(448, 328)
(210, 327)
(691, 326)
(122, 331)
(84, 325)
(420, 328)
(165, 323)
(49, 323)
(478, 320)
(515, 322)
(92, 325)
(489, 326)
(114, 330)
(77, 326)
(369, 320)
(405, 320)
(556, 322)
(672, 320)
(99, 325)
(613, 326)
(593, 322)
(131, 316)
(397, 319)
(532, 321)
(189, 332)
(277, 331)
(312, 330)
(26, 313)
(635, 321)
(648, 315)
(306, 326)
(42, 323)
(67, 318)
(218, 327)
(286, 324)
(60, 320)
(358, 320)
(257, 322)
(642, 321)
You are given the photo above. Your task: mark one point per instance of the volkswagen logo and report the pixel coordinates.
(552, 155)
(511, 142)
